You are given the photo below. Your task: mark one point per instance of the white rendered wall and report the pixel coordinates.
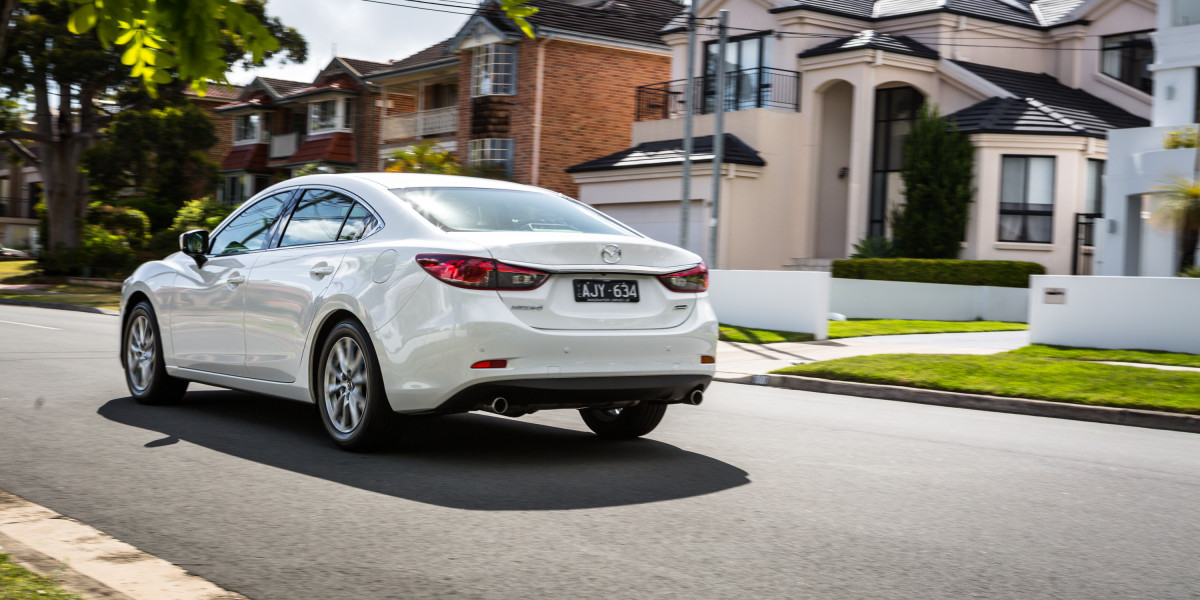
(1145, 313)
(780, 300)
(868, 299)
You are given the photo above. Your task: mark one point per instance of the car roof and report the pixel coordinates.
(411, 180)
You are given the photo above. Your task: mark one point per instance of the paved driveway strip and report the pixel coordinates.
(757, 493)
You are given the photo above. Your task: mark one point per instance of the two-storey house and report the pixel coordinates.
(820, 95)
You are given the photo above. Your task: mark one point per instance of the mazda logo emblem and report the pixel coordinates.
(611, 254)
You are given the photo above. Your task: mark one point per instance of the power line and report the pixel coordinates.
(831, 36)
(465, 14)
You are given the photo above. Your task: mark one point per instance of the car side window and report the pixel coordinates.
(358, 223)
(317, 218)
(249, 230)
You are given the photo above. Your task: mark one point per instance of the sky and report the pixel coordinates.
(360, 29)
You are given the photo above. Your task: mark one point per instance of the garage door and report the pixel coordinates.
(660, 220)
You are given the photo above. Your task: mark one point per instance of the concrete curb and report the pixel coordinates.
(74, 307)
(1038, 408)
(91, 563)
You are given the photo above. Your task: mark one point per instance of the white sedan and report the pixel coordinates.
(382, 295)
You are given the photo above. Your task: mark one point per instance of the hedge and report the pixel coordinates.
(999, 273)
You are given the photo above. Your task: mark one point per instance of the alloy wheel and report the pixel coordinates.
(345, 387)
(139, 354)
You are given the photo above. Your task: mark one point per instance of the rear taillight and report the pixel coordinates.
(693, 280)
(480, 273)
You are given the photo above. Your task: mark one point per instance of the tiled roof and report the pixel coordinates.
(873, 39)
(670, 152)
(335, 147)
(283, 87)
(365, 67)
(435, 53)
(246, 157)
(1042, 105)
(1017, 12)
(631, 20)
(217, 91)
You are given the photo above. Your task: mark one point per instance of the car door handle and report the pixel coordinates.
(236, 279)
(321, 271)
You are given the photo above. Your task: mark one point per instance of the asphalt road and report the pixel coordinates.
(759, 493)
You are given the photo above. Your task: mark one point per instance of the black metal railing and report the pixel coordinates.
(760, 87)
(17, 208)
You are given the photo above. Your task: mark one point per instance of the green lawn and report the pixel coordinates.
(865, 327)
(19, 584)
(1152, 357)
(25, 271)
(1018, 376)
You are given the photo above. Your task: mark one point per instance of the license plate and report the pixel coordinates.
(606, 290)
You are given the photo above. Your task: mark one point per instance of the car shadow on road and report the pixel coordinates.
(471, 462)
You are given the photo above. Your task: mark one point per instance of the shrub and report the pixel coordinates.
(938, 171)
(999, 273)
(1182, 138)
(874, 246)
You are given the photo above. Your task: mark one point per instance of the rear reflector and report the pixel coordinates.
(490, 364)
(693, 280)
(480, 273)
(708, 360)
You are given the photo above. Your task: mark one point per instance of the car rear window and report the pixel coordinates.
(476, 209)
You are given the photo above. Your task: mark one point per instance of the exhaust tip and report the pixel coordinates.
(696, 397)
(499, 405)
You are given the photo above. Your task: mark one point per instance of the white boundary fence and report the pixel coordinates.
(781, 300)
(869, 299)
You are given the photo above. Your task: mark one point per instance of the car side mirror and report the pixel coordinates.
(194, 243)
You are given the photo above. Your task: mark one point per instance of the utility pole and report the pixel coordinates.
(718, 140)
(689, 107)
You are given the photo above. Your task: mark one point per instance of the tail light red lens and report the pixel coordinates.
(480, 273)
(693, 280)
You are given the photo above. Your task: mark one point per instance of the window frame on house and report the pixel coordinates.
(746, 83)
(891, 124)
(1023, 209)
(1093, 194)
(342, 118)
(1123, 57)
(484, 152)
(1179, 19)
(240, 123)
(494, 70)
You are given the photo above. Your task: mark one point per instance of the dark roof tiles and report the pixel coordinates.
(365, 67)
(873, 39)
(670, 152)
(283, 87)
(1042, 105)
(632, 20)
(1018, 12)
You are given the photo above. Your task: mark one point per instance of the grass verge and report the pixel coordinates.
(866, 327)
(17, 583)
(1150, 357)
(1017, 376)
(19, 272)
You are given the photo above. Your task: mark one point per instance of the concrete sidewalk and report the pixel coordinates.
(735, 359)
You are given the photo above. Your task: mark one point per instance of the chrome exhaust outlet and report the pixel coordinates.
(696, 397)
(500, 405)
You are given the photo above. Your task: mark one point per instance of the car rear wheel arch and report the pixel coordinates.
(328, 322)
(134, 299)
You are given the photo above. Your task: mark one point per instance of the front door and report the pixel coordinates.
(289, 282)
(207, 330)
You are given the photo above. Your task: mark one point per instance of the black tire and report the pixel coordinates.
(356, 421)
(142, 358)
(624, 423)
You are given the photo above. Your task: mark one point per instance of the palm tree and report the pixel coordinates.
(1181, 206)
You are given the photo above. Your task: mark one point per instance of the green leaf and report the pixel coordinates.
(130, 56)
(83, 19)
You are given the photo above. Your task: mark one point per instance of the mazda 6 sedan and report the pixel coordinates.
(379, 296)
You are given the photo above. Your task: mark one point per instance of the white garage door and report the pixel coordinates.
(660, 220)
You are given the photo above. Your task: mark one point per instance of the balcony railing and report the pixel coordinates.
(16, 208)
(421, 123)
(760, 87)
(283, 146)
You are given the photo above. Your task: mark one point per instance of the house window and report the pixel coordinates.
(1027, 199)
(322, 116)
(246, 128)
(1094, 200)
(1127, 58)
(744, 82)
(490, 152)
(895, 110)
(1184, 13)
(233, 190)
(348, 113)
(494, 70)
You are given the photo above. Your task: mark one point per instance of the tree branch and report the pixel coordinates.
(19, 134)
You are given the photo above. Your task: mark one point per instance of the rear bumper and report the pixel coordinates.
(576, 392)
